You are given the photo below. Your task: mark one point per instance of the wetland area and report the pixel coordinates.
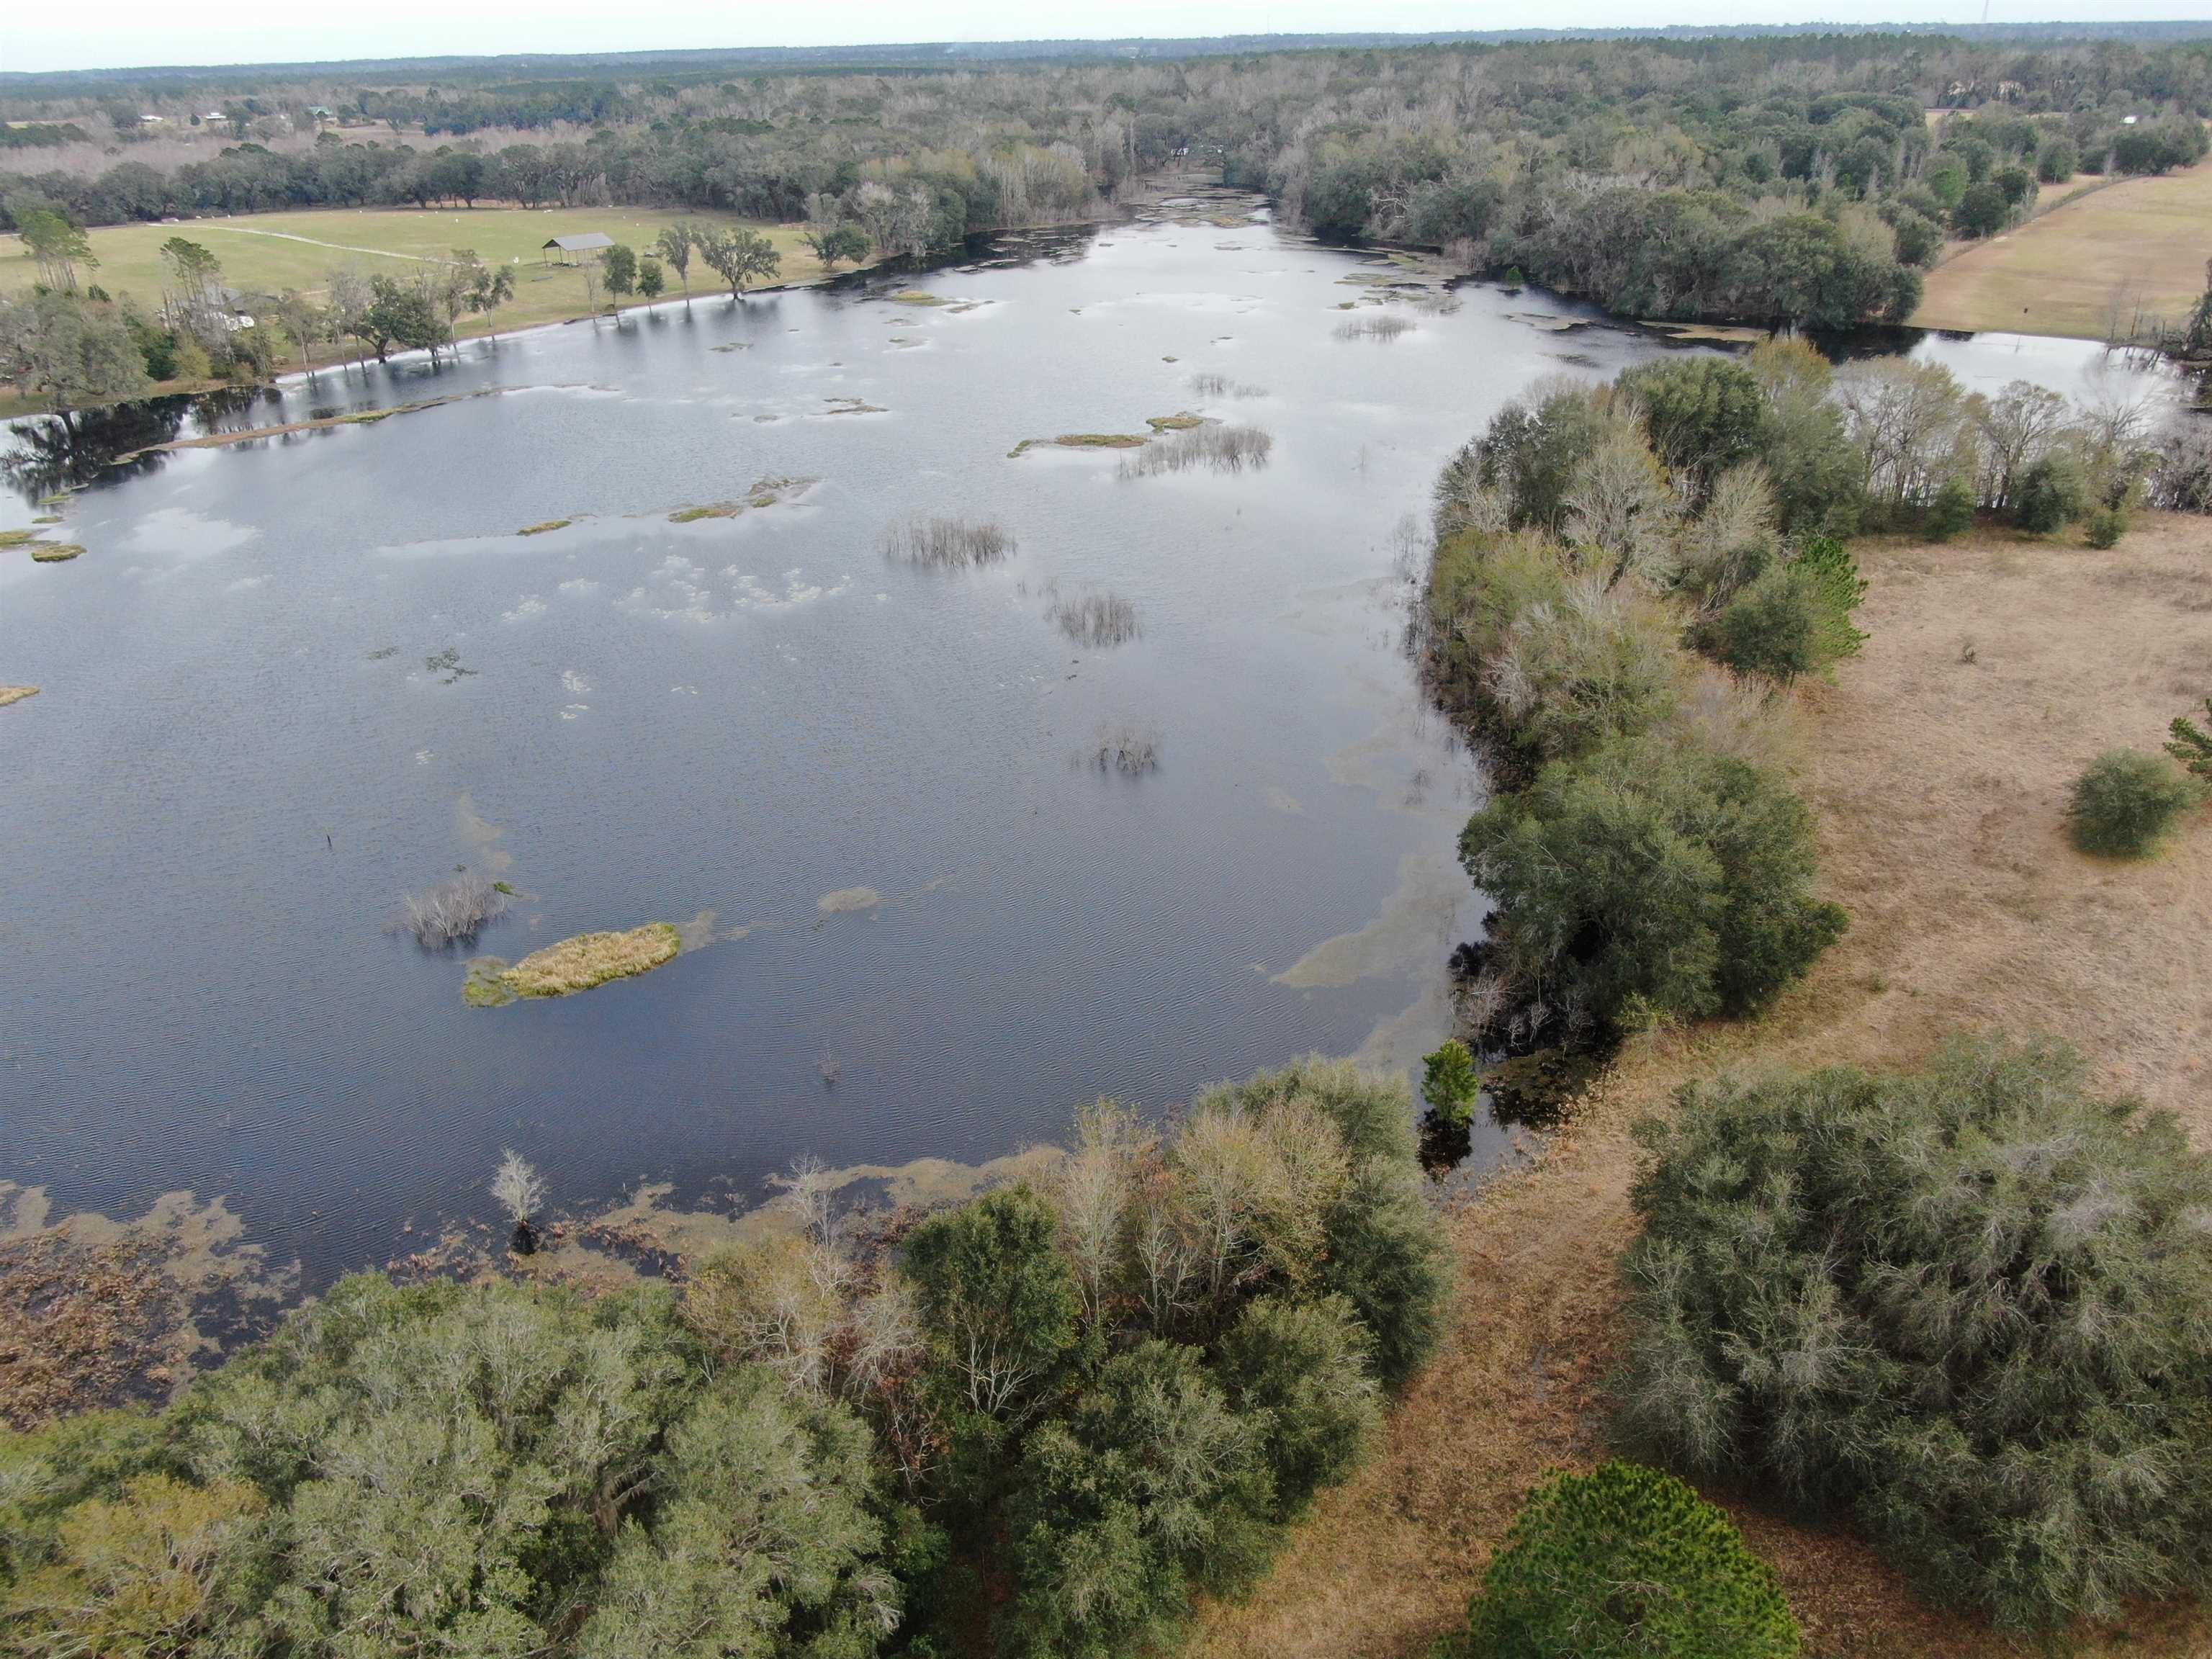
(963, 774)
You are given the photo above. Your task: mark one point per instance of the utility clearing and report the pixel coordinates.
(1938, 764)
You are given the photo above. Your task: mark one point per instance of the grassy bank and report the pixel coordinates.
(1937, 768)
(2135, 242)
(270, 253)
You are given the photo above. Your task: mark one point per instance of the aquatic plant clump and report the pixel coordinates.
(542, 529)
(946, 544)
(1096, 620)
(453, 912)
(1383, 326)
(16, 694)
(54, 552)
(575, 965)
(1126, 748)
(1224, 449)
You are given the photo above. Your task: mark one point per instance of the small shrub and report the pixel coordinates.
(2105, 526)
(2126, 803)
(1970, 1305)
(1450, 1082)
(1951, 512)
(2191, 745)
(2052, 494)
(1625, 1563)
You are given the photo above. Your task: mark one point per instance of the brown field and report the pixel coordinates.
(1939, 782)
(2139, 245)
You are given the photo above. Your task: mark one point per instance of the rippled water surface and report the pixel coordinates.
(254, 735)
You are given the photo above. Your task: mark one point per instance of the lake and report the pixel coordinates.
(293, 679)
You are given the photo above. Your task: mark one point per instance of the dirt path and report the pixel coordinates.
(1939, 783)
(343, 247)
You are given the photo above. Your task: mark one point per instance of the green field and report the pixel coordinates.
(272, 252)
(2138, 244)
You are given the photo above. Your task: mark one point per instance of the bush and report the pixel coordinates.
(1971, 1305)
(1150, 1487)
(1310, 1368)
(2051, 494)
(1625, 1563)
(1794, 618)
(1950, 511)
(1650, 881)
(1450, 1082)
(2105, 526)
(2126, 803)
(1382, 1247)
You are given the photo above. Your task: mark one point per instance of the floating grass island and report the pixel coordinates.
(1181, 422)
(919, 296)
(575, 965)
(711, 510)
(18, 538)
(54, 552)
(16, 694)
(541, 529)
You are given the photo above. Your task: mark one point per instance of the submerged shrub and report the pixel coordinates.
(453, 912)
(1652, 880)
(2126, 803)
(1624, 1563)
(946, 544)
(1970, 1305)
(1096, 619)
(1381, 326)
(1224, 449)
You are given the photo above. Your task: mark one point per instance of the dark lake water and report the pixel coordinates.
(240, 758)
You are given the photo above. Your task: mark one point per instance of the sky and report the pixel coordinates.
(46, 34)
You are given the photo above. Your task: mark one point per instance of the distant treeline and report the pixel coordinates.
(1796, 179)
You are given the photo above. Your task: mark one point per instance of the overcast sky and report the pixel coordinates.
(48, 34)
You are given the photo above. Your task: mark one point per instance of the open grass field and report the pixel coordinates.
(2142, 242)
(272, 252)
(1938, 775)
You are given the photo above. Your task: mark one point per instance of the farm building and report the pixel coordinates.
(563, 249)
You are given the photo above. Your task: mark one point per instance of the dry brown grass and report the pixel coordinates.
(16, 694)
(1939, 784)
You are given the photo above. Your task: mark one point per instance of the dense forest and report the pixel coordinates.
(1790, 179)
(1033, 1423)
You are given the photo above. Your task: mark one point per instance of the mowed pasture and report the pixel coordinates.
(269, 252)
(2138, 246)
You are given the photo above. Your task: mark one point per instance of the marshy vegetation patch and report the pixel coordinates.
(16, 694)
(54, 552)
(918, 296)
(542, 528)
(846, 900)
(580, 964)
(1179, 423)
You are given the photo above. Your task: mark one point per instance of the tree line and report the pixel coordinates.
(1778, 179)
